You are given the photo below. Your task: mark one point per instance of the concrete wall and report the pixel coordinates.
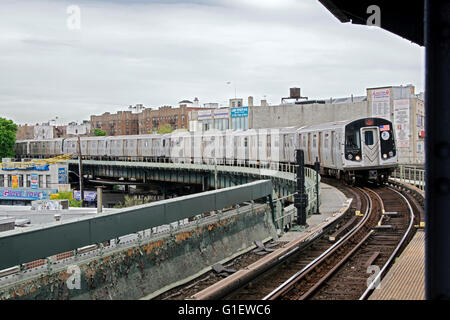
(139, 271)
(297, 115)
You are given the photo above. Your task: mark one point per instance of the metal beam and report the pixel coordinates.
(437, 144)
(21, 246)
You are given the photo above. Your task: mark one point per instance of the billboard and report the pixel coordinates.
(401, 122)
(381, 107)
(239, 112)
(221, 114)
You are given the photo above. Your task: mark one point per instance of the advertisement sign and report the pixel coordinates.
(63, 187)
(25, 194)
(381, 107)
(62, 175)
(203, 114)
(401, 122)
(88, 195)
(34, 181)
(239, 112)
(15, 182)
(221, 114)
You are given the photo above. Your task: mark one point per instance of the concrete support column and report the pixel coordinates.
(99, 200)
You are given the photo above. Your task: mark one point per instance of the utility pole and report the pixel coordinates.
(80, 172)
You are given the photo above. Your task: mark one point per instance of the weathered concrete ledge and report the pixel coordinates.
(141, 270)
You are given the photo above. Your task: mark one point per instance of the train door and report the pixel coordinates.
(309, 148)
(332, 147)
(371, 146)
(319, 146)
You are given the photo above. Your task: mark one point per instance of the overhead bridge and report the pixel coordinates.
(143, 250)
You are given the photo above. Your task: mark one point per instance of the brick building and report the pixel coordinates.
(150, 120)
(25, 132)
(118, 124)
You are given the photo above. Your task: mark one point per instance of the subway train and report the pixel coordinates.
(361, 149)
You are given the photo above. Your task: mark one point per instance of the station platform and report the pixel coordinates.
(334, 203)
(406, 278)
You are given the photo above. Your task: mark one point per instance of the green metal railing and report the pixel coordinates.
(21, 246)
(411, 174)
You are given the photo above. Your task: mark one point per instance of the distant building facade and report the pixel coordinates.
(150, 120)
(117, 124)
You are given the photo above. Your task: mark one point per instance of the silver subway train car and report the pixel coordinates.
(361, 149)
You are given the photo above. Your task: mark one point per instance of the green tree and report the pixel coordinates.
(8, 131)
(99, 132)
(165, 128)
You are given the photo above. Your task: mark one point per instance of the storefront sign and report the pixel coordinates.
(25, 194)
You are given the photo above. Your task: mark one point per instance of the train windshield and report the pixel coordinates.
(352, 139)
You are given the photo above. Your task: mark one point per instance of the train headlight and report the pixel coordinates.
(391, 154)
(357, 158)
(385, 156)
(350, 156)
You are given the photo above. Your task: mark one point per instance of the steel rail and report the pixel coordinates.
(371, 286)
(285, 286)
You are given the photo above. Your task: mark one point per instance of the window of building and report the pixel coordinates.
(47, 181)
(182, 118)
(128, 122)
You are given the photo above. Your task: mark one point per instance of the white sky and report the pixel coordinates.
(161, 52)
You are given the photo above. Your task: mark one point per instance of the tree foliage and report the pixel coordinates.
(165, 128)
(8, 131)
(99, 132)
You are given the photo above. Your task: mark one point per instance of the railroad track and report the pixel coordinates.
(350, 267)
(344, 271)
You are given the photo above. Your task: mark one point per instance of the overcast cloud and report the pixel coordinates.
(161, 52)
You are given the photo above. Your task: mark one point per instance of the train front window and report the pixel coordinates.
(352, 140)
(368, 138)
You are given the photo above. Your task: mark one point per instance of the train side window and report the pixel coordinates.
(245, 142)
(368, 138)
